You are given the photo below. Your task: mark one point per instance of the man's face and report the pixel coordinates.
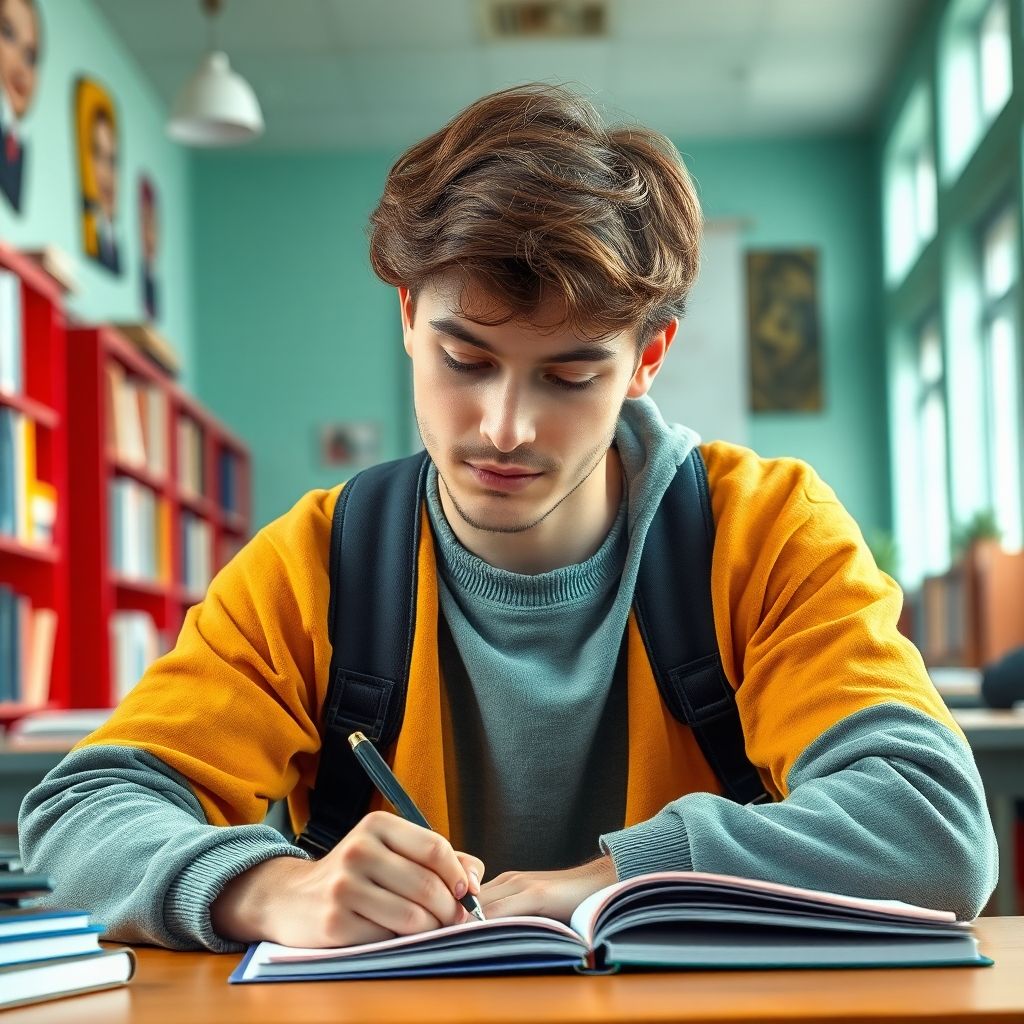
(516, 417)
(19, 53)
(104, 161)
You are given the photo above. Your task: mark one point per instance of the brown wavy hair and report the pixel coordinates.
(526, 194)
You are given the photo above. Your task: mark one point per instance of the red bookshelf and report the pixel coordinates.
(187, 484)
(31, 568)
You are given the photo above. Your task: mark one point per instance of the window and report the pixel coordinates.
(910, 191)
(933, 481)
(1001, 370)
(976, 76)
(996, 79)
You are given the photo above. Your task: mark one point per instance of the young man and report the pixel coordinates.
(541, 265)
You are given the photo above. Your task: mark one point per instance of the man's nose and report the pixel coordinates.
(507, 420)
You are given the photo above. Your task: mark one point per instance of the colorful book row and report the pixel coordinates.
(140, 532)
(137, 424)
(136, 644)
(28, 506)
(27, 638)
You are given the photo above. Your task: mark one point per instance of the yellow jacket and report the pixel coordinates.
(806, 627)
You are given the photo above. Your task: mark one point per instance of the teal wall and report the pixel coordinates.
(77, 41)
(818, 193)
(293, 330)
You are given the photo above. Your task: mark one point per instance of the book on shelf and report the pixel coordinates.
(46, 954)
(196, 554)
(136, 420)
(191, 467)
(680, 920)
(27, 640)
(227, 472)
(57, 264)
(139, 531)
(11, 333)
(136, 645)
(151, 343)
(28, 506)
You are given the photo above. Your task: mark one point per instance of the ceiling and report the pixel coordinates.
(359, 74)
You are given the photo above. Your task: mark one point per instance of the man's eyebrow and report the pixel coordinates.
(591, 352)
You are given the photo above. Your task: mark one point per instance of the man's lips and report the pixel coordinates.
(502, 478)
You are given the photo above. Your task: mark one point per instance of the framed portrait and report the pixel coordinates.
(784, 331)
(96, 125)
(353, 445)
(19, 73)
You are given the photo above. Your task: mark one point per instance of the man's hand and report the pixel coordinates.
(554, 894)
(387, 877)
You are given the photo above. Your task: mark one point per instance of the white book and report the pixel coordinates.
(22, 984)
(681, 920)
(11, 333)
(43, 636)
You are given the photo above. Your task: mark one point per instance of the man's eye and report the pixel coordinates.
(573, 385)
(458, 365)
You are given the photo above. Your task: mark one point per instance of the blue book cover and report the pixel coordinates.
(7, 640)
(7, 470)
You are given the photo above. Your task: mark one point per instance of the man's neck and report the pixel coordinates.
(572, 533)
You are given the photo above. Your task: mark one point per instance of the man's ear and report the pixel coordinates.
(651, 358)
(406, 306)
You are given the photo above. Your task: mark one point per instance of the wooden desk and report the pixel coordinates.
(997, 739)
(170, 988)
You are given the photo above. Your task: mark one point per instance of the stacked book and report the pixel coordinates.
(46, 954)
(136, 644)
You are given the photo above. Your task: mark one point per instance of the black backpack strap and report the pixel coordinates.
(371, 617)
(676, 619)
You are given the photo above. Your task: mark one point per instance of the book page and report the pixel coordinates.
(588, 914)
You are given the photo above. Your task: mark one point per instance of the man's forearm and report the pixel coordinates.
(887, 804)
(124, 838)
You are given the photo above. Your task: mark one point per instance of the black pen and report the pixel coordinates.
(391, 789)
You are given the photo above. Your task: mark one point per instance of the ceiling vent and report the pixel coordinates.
(511, 20)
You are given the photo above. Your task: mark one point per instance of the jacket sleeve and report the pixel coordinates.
(131, 823)
(878, 792)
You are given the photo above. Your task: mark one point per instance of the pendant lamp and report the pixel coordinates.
(216, 106)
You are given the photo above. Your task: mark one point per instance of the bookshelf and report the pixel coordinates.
(161, 493)
(34, 521)
(970, 615)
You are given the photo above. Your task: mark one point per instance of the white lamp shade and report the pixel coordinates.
(216, 107)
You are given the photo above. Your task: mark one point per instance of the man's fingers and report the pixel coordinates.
(474, 868)
(386, 909)
(425, 847)
(416, 884)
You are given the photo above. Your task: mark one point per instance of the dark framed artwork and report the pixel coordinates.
(355, 443)
(149, 232)
(20, 32)
(96, 125)
(784, 327)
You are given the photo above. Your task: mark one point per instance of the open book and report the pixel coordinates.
(662, 920)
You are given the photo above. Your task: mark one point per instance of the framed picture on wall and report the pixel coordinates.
(784, 332)
(353, 444)
(96, 125)
(149, 237)
(19, 72)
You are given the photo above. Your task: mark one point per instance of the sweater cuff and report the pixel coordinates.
(658, 844)
(188, 901)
